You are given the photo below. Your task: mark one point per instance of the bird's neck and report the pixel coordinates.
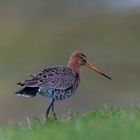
(74, 66)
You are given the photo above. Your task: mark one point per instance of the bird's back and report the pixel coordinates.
(57, 82)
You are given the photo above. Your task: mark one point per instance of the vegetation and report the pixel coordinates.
(106, 124)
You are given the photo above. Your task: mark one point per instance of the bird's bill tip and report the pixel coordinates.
(96, 70)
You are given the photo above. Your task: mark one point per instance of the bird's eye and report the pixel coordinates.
(82, 57)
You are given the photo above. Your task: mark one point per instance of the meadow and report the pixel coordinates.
(107, 124)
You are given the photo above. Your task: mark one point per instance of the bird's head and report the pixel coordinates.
(78, 59)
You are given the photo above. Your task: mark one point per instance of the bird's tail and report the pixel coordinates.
(28, 91)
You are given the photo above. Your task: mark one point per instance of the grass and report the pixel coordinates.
(106, 124)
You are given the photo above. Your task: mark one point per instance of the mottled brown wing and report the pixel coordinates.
(52, 77)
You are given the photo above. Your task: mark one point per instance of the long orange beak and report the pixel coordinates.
(96, 70)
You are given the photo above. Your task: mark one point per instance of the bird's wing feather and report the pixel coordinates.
(51, 77)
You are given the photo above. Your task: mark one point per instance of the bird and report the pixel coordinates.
(57, 82)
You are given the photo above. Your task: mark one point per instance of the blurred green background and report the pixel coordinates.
(39, 33)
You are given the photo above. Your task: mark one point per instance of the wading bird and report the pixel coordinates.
(57, 82)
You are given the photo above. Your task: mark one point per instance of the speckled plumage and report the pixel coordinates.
(58, 83)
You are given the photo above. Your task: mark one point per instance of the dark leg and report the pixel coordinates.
(48, 110)
(54, 114)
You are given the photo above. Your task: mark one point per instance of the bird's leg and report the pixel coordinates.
(48, 110)
(54, 114)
